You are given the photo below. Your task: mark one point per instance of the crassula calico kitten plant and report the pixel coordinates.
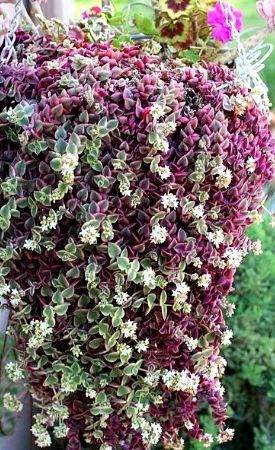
(127, 184)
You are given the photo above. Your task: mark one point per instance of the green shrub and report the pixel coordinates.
(251, 358)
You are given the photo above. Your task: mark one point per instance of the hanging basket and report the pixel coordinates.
(127, 184)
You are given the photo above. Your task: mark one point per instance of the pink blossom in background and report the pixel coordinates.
(85, 15)
(217, 19)
(266, 9)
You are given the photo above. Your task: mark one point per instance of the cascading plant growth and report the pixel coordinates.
(127, 185)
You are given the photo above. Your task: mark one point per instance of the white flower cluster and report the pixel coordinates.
(228, 307)
(217, 237)
(129, 329)
(152, 378)
(198, 211)
(49, 222)
(121, 298)
(142, 346)
(151, 432)
(157, 111)
(90, 392)
(39, 430)
(124, 350)
(233, 257)
(40, 331)
(89, 233)
(61, 431)
(207, 440)
(257, 248)
(69, 162)
(166, 128)
(250, 164)
(225, 435)
(164, 172)
(11, 403)
(16, 296)
(181, 292)
(204, 280)
(216, 368)
(224, 178)
(14, 371)
(159, 234)
(4, 289)
(191, 343)
(30, 244)
(124, 187)
(181, 381)
(226, 337)
(149, 278)
(169, 201)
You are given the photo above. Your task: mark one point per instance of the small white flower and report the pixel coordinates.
(164, 172)
(121, 298)
(4, 289)
(11, 403)
(224, 178)
(251, 164)
(128, 329)
(76, 351)
(124, 349)
(169, 201)
(191, 343)
(161, 144)
(157, 111)
(198, 211)
(166, 128)
(149, 278)
(30, 244)
(204, 280)
(188, 425)
(226, 337)
(89, 234)
(14, 371)
(50, 222)
(61, 431)
(257, 248)
(181, 292)
(91, 393)
(197, 262)
(216, 237)
(152, 378)
(159, 234)
(142, 346)
(207, 440)
(234, 257)
(16, 297)
(225, 435)
(43, 440)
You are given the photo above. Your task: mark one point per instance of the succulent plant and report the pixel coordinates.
(127, 185)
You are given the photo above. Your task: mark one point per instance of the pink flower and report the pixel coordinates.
(266, 9)
(96, 10)
(218, 19)
(85, 15)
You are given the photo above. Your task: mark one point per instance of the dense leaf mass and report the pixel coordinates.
(127, 184)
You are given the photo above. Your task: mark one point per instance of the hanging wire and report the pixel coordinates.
(249, 62)
(9, 53)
